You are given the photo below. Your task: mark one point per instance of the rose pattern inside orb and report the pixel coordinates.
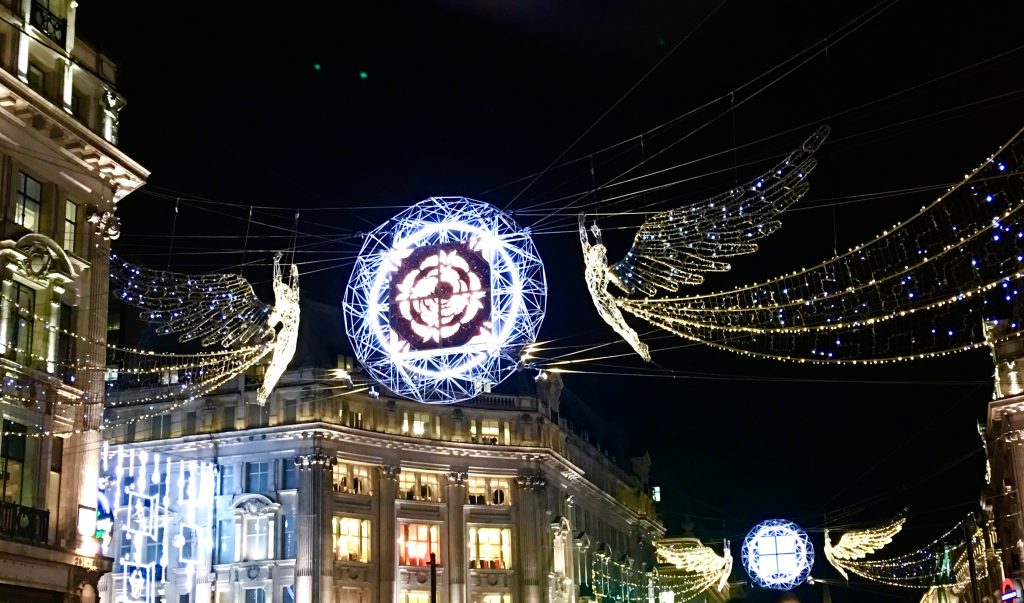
(440, 297)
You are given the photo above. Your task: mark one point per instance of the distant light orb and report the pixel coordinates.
(777, 554)
(443, 298)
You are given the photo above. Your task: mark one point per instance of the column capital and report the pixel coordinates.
(457, 477)
(389, 471)
(531, 481)
(308, 461)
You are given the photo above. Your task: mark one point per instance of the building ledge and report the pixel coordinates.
(23, 105)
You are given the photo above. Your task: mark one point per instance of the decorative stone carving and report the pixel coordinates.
(457, 477)
(531, 481)
(40, 257)
(390, 471)
(308, 461)
(107, 224)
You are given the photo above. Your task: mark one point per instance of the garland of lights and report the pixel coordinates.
(702, 567)
(175, 515)
(942, 562)
(217, 309)
(920, 289)
(676, 247)
(857, 544)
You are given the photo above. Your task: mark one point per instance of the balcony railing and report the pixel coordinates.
(50, 24)
(17, 521)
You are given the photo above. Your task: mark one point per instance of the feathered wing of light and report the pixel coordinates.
(676, 247)
(944, 562)
(703, 567)
(218, 309)
(923, 288)
(212, 308)
(858, 544)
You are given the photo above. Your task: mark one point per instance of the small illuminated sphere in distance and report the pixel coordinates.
(443, 299)
(777, 554)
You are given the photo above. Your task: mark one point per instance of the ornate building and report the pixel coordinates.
(61, 175)
(1004, 435)
(333, 492)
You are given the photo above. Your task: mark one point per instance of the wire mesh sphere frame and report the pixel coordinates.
(777, 554)
(443, 298)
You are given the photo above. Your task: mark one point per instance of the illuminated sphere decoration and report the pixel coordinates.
(777, 554)
(443, 298)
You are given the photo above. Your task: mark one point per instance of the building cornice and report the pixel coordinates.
(327, 432)
(74, 140)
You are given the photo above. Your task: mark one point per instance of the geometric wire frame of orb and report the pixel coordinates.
(443, 298)
(777, 554)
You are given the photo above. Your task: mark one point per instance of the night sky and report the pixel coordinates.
(349, 113)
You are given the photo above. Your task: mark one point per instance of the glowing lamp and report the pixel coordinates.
(443, 299)
(777, 554)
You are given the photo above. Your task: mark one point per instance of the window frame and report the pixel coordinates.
(503, 545)
(70, 226)
(433, 544)
(264, 471)
(22, 199)
(361, 536)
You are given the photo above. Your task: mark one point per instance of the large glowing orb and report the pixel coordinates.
(443, 298)
(777, 554)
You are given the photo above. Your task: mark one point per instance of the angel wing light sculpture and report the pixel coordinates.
(217, 309)
(858, 544)
(707, 568)
(676, 247)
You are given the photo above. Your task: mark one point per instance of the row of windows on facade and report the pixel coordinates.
(39, 81)
(28, 210)
(352, 478)
(486, 431)
(245, 538)
(259, 595)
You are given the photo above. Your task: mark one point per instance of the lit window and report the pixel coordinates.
(490, 430)
(70, 225)
(414, 596)
(351, 539)
(257, 477)
(28, 201)
(413, 485)
(488, 491)
(256, 538)
(416, 541)
(490, 548)
(352, 479)
(492, 598)
(420, 425)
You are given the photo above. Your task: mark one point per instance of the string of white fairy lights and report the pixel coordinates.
(939, 563)
(890, 299)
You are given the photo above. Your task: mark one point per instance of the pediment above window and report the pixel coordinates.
(40, 258)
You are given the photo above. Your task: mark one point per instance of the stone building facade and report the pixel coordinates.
(61, 175)
(333, 492)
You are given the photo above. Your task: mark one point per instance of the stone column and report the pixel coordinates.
(529, 536)
(314, 562)
(455, 555)
(387, 538)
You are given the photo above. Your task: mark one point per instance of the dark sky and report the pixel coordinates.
(462, 97)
